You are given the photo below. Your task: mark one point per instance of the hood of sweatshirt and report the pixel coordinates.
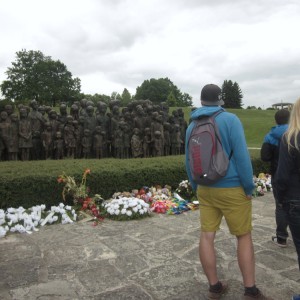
(277, 131)
(275, 134)
(205, 111)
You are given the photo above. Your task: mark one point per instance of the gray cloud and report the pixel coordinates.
(115, 44)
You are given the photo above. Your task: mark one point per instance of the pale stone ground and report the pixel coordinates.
(153, 258)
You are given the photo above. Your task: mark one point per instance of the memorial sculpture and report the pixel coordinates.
(88, 130)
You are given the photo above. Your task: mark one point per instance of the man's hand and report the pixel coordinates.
(249, 197)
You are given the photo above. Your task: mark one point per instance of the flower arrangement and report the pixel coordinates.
(27, 220)
(126, 208)
(174, 206)
(160, 199)
(87, 206)
(77, 191)
(262, 184)
(185, 190)
(91, 206)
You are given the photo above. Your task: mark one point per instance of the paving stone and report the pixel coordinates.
(131, 292)
(153, 258)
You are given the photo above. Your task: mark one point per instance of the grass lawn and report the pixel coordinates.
(256, 123)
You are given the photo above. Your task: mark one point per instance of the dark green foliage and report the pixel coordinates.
(259, 166)
(231, 94)
(31, 183)
(162, 90)
(126, 97)
(35, 182)
(6, 102)
(96, 98)
(36, 76)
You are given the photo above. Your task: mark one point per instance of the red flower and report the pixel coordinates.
(59, 180)
(142, 192)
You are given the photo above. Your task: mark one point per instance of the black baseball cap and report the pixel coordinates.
(211, 95)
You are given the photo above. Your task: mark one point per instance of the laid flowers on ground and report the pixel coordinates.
(91, 206)
(185, 190)
(27, 220)
(79, 192)
(148, 194)
(174, 206)
(73, 189)
(262, 184)
(125, 208)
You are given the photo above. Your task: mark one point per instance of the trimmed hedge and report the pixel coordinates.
(35, 182)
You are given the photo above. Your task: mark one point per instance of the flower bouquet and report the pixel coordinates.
(185, 190)
(71, 188)
(262, 184)
(27, 220)
(88, 207)
(126, 208)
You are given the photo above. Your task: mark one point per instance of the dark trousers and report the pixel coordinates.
(293, 216)
(281, 218)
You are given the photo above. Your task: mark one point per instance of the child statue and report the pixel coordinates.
(157, 143)
(25, 135)
(58, 146)
(86, 143)
(136, 144)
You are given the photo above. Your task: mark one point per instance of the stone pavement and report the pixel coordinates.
(153, 258)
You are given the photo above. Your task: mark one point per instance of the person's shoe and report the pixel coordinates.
(259, 296)
(296, 297)
(279, 242)
(218, 295)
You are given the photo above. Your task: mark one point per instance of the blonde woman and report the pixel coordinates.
(287, 177)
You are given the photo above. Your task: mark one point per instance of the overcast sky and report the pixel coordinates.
(115, 44)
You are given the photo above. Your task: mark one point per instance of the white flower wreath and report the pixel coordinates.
(126, 208)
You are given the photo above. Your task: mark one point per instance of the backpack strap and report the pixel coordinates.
(214, 116)
(217, 113)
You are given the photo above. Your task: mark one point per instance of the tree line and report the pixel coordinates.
(35, 76)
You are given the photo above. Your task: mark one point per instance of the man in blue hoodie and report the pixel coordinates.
(229, 197)
(270, 152)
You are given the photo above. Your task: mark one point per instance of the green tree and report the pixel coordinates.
(171, 100)
(96, 98)
(185, 100)
(232, 94)
(115, 96)
(36, 76)
(158, 91)
(126, 97)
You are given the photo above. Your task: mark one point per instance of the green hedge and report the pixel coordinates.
(35, 182)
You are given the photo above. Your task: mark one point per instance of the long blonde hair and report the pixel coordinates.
(294, 127)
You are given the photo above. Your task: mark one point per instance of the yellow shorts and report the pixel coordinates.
(232, 203)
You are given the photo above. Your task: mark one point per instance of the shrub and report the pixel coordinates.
(35, 182)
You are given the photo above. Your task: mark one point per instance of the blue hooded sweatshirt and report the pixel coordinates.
(240, 172)
(275, 134)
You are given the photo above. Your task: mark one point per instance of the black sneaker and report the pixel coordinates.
(279, 241)
(218, 295)
(259, 295)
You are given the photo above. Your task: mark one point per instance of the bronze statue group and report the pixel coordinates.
(88, 130)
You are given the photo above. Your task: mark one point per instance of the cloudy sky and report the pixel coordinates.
(115, 44)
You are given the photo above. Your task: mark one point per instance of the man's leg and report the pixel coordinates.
(294, 224)
(246, 261)
(281, 222)
(208, 257)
